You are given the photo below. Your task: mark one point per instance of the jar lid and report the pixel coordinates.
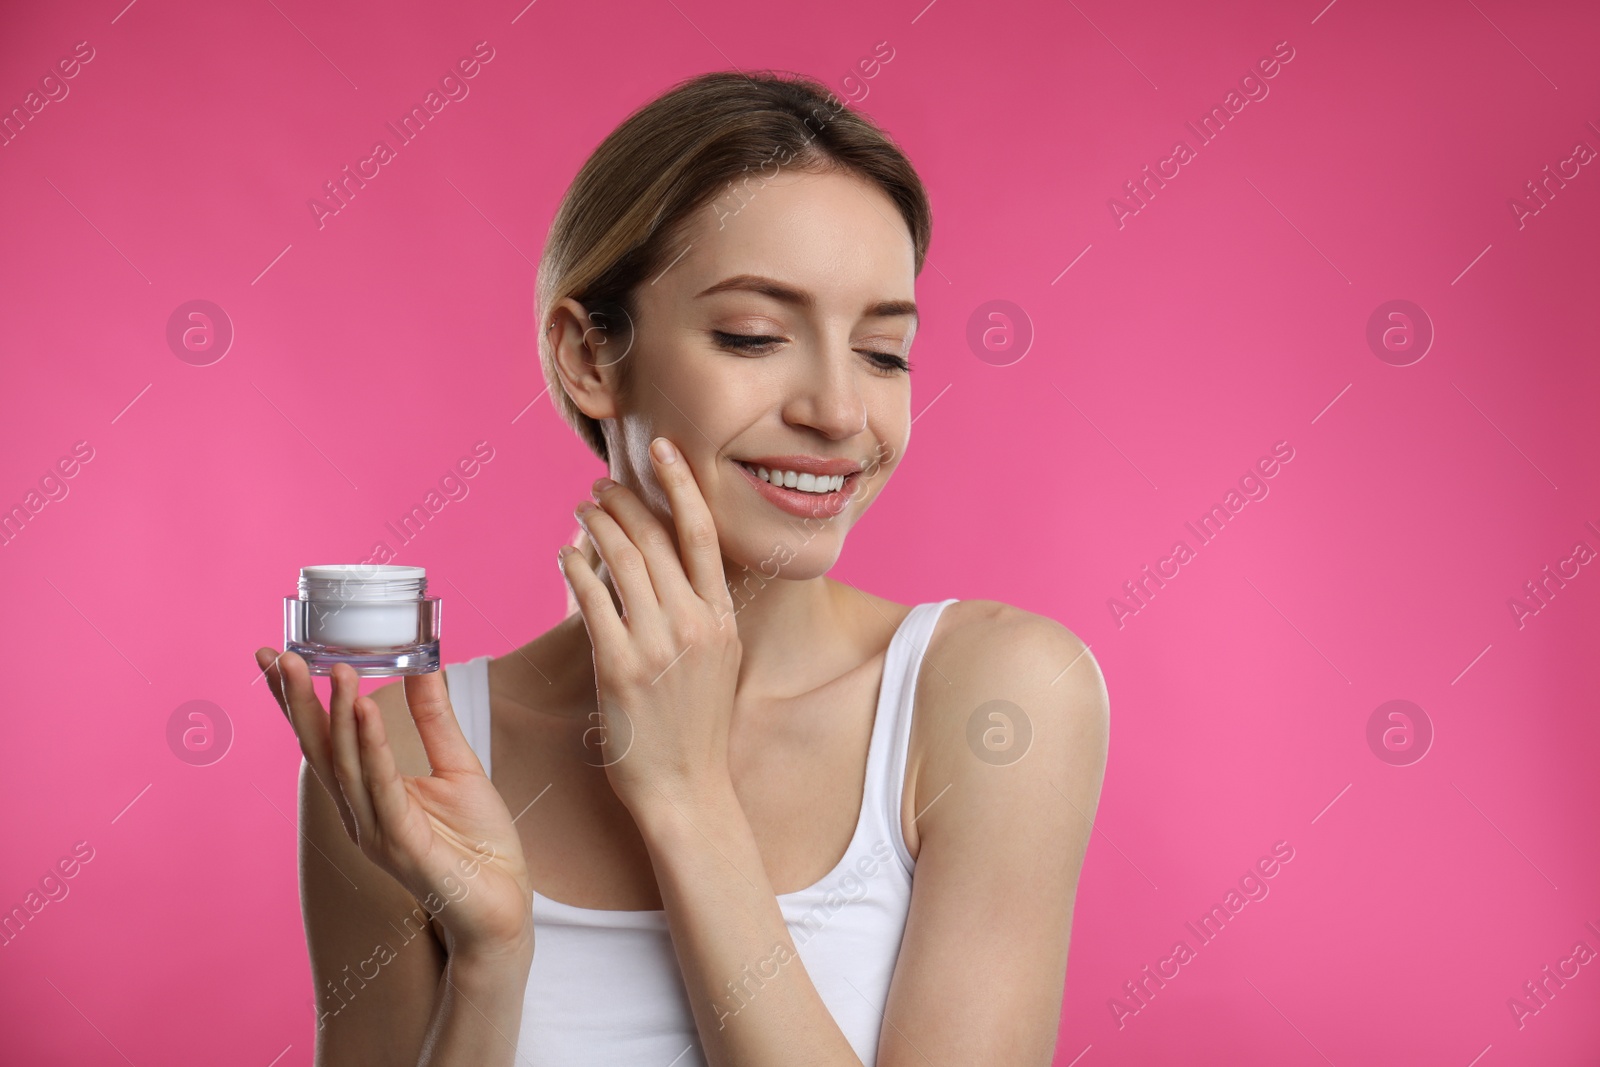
(356, 572)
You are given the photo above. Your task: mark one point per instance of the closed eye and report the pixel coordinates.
(743, 341)
(887, 363)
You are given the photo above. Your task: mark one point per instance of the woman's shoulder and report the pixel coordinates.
(986, 650)
(994, 631)
(982, 632)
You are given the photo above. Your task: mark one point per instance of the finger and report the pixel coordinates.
(626, 563)
(428, 700)
(697, 532)
(651, 537)
(594, 601)
(271, 661)
(293, 681)
(347, 750)
(390, 802)
(265, 658)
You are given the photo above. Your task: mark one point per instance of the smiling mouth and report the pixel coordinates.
(809, 484)
(826, 497)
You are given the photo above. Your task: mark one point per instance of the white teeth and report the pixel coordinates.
(805, 483)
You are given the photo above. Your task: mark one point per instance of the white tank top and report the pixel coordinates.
(605, 987)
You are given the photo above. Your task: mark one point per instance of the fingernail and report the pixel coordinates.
(584, 508)
(602, 484)
(663, 450)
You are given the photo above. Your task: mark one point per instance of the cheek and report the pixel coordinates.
(703, 399)
(887, 453)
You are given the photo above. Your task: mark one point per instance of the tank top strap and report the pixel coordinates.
(468, 686)
(891, 732)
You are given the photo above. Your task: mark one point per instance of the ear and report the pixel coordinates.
(587, 346)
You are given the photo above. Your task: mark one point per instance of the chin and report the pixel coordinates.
(790, 554)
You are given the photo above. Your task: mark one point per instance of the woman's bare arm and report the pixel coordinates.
(356, 917)
(754, 1003)
(665, 682)
(982, 965)
(386, 989)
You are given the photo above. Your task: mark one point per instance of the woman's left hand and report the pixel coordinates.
(666, 669)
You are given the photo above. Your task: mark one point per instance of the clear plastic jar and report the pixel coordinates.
(377, 618)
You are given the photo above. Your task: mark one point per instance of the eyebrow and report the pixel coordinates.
(755, 283)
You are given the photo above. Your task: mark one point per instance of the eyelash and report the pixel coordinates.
(740, 342)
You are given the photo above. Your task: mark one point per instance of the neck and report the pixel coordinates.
(796, 633)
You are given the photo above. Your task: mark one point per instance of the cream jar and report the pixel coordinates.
(377, 618)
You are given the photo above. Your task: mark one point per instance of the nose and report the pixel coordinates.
(826, 397)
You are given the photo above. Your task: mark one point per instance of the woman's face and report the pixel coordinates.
(777, 335)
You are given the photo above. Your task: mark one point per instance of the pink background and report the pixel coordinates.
(1228, 314)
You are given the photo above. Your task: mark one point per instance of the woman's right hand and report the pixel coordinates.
(436, 833)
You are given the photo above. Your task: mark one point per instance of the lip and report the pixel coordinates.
(793, 501)
(804, 464)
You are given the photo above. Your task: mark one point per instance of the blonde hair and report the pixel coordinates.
(631, 201)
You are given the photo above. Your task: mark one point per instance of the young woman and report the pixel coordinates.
(680, 826)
